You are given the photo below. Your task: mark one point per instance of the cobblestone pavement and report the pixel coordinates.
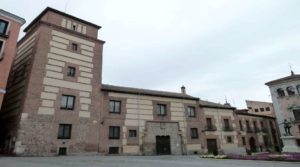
(134, 161)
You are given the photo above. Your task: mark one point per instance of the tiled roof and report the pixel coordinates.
(288, 78)
(215, 105)
(138, 91)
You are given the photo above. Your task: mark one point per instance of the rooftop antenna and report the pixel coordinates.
(226, 100)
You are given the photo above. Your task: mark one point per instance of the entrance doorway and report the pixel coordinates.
(252, 144)
(163, 145)
(212, 147)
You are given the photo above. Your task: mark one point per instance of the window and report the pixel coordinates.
(1, 46)
(244, 141)
(299, 128)
(227, 126)
(256, 110)
(3, 27)
(229, 139)
(64, 131)
(62, 151)
(266, 140)
(114, 106)
(290, 90)
(191, 111)
(298, 142)
(161, 109)
(298, 89)
(248, 126)
(114, 132)
(241, 125)
(71, 71)
(268, 109)
(67, 102)
(262, 109)
(262, 124)
(280, 92)
(297, 114)
(132, 133)
(194, 133)
(74, 47)
(113, 150)
(255, 126)
(74, 27)
(209, 123)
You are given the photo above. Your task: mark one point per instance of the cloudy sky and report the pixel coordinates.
(215, 48)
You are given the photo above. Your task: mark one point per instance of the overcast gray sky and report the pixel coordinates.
(216, 48)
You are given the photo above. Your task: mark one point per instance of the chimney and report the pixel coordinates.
(183, 89)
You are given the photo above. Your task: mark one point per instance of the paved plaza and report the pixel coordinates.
(134, 161)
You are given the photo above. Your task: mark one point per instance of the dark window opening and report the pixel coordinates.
(256, 110)
(74, 27)
(67, 102)
(1, 46)
(113, 150)
(297, 114)
(71, 71)
(227, 126)
(74, 47)
(244, 141)
(114, 106)
(262, 109)
(268, 109)
(280, 92)
(3, 27)
(132, 133)
(229, 139)
(62, 151)
(161, 109)
(64, 131)
(114, 132)
(191, 111)
(290, 90)
(241, 125)
(194, 133)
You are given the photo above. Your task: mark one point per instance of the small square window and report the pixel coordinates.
(113, 150)
(256, 110)
(229, 139)
(74, 47)
(161, 109)
(191, 111)
(64, 131)
(62, 151)
(71, 72)
(74, 27)
(114, 106)
(132, 133)
(67, 102)
(267, 108)
(262, 109)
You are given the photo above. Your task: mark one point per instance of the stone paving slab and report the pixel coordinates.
(134, 161)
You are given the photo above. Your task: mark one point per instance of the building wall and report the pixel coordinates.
(218, 115)
(271, 132)
(48, 81)
(260, 108)
(8, 52)
(139, 112)
(284, 106)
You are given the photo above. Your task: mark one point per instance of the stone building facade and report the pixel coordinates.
(56, 103)
(285, 94)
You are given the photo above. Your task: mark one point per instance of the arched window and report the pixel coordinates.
(290, 90)
(298, 89)
(280, 92)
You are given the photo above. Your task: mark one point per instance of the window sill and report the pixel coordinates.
(4, 35)
(67, 109)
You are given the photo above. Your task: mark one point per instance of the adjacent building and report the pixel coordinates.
(285, 94)
(56, 104)
(9, 31)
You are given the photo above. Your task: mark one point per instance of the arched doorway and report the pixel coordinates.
(252, 144)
